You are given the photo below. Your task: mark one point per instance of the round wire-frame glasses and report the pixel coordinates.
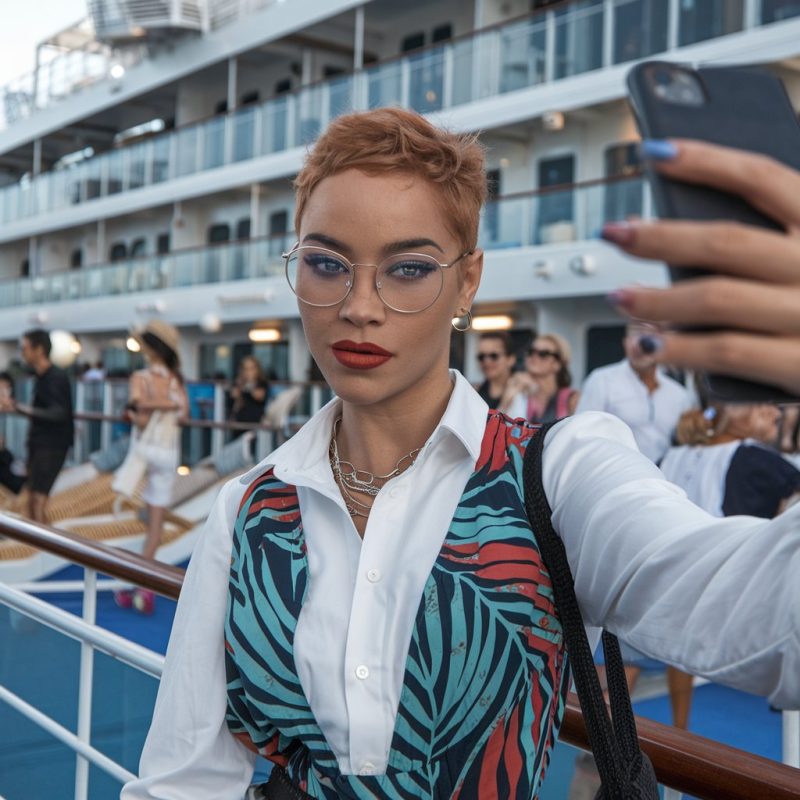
(398, 259)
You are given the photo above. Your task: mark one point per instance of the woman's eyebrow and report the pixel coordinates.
(327, 241)
(404, 245)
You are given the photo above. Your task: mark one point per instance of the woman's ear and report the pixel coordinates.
(470, 270)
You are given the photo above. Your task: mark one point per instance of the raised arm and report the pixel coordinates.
(189, 753)
(713, 597)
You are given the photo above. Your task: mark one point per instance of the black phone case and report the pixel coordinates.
(745, 108)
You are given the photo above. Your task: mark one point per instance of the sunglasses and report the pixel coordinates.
(535, 351)
(490, 356)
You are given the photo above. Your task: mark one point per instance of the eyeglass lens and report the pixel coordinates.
(405, 282)
(490, 356)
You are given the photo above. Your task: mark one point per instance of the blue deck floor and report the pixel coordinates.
(42, 666)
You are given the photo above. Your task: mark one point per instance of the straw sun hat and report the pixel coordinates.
(163, 331)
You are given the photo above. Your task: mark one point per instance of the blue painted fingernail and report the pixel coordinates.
(658, 150)
(650, 343)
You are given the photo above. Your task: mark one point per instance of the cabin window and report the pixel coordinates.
(221, 232)
(76, 259)
(162, 243)
(118, 252)
(138, 248)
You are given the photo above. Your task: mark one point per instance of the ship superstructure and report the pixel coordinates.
(146, 166)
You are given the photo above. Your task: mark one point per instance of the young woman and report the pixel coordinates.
(156, 402)
(496, 359)
(543, 392)
(368, 607)
(249, 393)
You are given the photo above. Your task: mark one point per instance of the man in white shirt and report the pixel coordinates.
(641, 394)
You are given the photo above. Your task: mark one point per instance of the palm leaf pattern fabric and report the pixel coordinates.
(485, 678)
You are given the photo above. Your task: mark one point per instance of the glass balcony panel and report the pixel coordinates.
(579, 38)
(706, 19)
(160, 154)
(777, 10)
(93, 176)
(275, 125)
(385, 85)
(426, 80)
(506, 224)
(640, 29)
(114, 164)
(522, 55)
(8, 293)
(464, 70)
(137, 155)
(75, 179)
(309, 109)
(187, 150)
(554, 217)
(213, 133)
(244, 130)
(340, 96)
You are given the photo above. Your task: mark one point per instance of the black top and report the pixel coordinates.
(247, 408)
(758, 480)
(483, 391)
(52, 422)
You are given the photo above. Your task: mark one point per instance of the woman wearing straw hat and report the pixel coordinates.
(156, 402)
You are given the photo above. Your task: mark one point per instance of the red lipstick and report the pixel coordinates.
(359, 355)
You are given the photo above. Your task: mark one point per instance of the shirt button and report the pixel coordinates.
(367, 768)
(373, 575)
(362, 672)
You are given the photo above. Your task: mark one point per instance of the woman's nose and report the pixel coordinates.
(363, 304)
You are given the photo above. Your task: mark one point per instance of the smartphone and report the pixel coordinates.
(742, 107)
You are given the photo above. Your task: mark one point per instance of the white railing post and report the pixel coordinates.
(673, 20)
(405, 83)
(105, 425)
(752, 14)
(791, 738)
(316, 399)
(550, 47)
(86, 675)
(608, 32)
(218, 434)
(447, 76)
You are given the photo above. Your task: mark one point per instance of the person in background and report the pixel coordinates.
(11, 476)
(95, 373)
(496, 359)
(724, 466)
(725, 463)
(51, 428)
(640, 393)
(157, 402)
(248, 394)
(543, 391)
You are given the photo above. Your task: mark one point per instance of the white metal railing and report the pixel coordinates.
(573, 39)
(91, 638)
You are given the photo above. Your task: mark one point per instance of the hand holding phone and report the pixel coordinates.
(730, 209)
(750, 295)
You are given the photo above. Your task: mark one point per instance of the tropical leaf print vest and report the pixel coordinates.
(485, 677)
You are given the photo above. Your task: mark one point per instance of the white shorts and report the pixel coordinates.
(162, 465)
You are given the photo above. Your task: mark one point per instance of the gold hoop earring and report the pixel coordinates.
(457, 320)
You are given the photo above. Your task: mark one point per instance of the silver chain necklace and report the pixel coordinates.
(351, 479)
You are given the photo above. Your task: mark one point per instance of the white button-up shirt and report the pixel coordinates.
(652, 416)
(715, 597)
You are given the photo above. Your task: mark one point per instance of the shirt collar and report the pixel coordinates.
(305, 455)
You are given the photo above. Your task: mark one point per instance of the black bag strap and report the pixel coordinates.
(625, 772)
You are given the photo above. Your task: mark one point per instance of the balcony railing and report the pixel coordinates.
(548, 216)
(683, 761)
(573, 38)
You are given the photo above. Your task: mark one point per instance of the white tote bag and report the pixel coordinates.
(147, 445)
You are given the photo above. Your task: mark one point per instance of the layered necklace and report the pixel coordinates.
(352, 480)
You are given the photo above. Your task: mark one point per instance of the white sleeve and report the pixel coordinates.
(715, 597)
(189, 753)
(593, 395)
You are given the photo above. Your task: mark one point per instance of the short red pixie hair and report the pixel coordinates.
(396, 140)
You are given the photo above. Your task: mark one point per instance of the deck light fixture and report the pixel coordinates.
(492, 322)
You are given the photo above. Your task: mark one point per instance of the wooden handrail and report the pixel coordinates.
(684, 761)
(161, 578)
(698, 766)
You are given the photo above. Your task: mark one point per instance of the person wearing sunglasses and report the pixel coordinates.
(496, 359)
(368, 607)
(543, 391)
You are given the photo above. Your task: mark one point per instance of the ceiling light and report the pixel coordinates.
(261, 335)
(492, 322)
(133, 344)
